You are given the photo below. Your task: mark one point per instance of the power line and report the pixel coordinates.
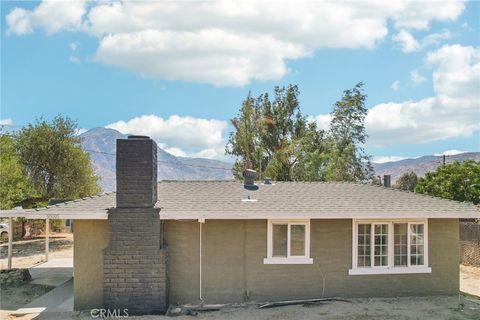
(158, 161)
(166, 162)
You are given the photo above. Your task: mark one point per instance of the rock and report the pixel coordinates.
(174, 311)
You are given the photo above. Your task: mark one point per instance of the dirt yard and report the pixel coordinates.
(470, 280)
(27, 253)
(13, 298)
(425, 308)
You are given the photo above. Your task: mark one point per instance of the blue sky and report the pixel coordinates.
(136, 68)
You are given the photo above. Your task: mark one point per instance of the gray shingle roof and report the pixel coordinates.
(223, 200)
(94, 207)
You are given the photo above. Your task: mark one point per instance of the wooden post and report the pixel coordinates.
(10, 242)
(47, 237)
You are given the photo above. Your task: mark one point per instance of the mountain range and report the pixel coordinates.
(100, 143)
(420, 165)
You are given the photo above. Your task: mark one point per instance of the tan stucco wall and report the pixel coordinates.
(233, 268)
(90, 238)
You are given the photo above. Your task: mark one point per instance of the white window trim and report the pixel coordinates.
(390, 269)
(289, 259)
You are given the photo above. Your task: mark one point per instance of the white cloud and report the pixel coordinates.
(436, 38)
(182, 136)
(322, 120)
(408, 44)
(19, 22)
(449, 153)
(50, 15)
(74, 59)
(383, 159)
(421, 13)
(416, 77)
(175, 151)
(395, 85)
(79, 131)
(73, 48)
(6, 122)
(406, 41)
(457, 75)
(212, 56)
(454, 110)
(224, 42)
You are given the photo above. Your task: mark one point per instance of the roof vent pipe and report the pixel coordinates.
(387, 181)
(249, 176)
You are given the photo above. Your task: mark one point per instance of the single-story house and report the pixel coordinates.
(153, 244)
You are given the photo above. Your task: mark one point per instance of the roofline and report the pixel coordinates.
(321, 216)
(195, 215)
(43, 214)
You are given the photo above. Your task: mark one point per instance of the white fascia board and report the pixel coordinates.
(195, 215)
(43, 214)
(295, 215)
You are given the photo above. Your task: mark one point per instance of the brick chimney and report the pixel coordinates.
(134, 268)
(136, 172)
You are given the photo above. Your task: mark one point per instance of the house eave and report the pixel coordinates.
(312, 215)
(247, 215)
(44, 214)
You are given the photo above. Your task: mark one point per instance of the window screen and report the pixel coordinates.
(280, 240)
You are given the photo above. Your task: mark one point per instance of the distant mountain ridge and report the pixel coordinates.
(420, 165)
(100, 143)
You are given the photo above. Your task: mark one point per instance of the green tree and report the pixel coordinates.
(54, 161)
(283, 130)
(455, 181)
(347, 160)
(14, 186)
(273, 137)
(245, 141)
(407, 181)
(311, 155)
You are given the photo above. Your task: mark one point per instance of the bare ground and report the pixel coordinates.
(15, 297)
(27, 253)
(425, 308)
(470, 280)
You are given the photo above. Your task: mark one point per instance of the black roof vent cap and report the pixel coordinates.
(249, 176)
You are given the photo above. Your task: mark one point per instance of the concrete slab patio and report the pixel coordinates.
(59, 299)
(52, 273)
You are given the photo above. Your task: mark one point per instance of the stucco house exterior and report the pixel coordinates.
(152, 243)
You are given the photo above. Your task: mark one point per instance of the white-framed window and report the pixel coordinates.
(288, 242)
(389, 247)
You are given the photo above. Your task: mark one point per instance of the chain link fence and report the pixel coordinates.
(470, 243)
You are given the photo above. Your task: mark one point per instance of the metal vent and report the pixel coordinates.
(249, 176)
